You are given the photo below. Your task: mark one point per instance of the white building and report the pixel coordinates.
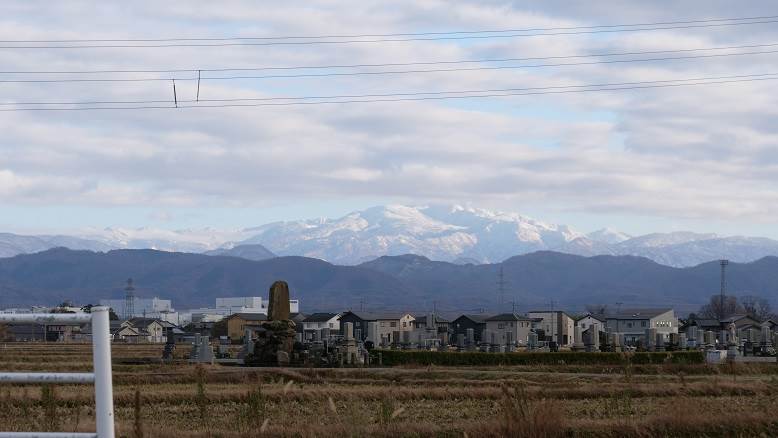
(634, 323)
(231, 305)
(145, 308)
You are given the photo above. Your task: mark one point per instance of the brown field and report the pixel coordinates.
(179, 400)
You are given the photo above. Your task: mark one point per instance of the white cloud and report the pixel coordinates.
(690, 152)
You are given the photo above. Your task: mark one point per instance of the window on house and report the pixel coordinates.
(629, 325)
(501, 325)
(404, 324)
(332, 325)
(383, 324)
(393, 324)
(644, 323)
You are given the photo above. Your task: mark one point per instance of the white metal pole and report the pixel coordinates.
(101, 352)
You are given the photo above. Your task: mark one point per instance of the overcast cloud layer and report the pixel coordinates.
(686, 152)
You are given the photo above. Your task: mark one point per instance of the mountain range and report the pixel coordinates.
(455, 234)
(408, 282)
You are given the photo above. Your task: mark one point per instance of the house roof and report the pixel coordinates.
(478, 318)
(735, 318)
(637, 313)
(437, 317)
(508, 317)
(143, 322)
(373, 316)
(600, 318)
(249, 316)
(551, 311)
(320, 317)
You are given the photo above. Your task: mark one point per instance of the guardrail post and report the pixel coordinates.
(101, 352)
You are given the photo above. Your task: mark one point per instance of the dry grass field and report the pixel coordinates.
(179, 400)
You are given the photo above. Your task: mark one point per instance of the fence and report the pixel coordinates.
(101, 377)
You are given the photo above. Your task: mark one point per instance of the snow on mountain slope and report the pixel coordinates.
(13, 244)
(440, 233)
(609, 236)
(447, 233)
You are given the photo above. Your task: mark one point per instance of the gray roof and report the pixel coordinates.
(372, 316)
(437, 317)
(250, 316)
(320, 317)
(478, 318)
(637, 313)
(508, 317)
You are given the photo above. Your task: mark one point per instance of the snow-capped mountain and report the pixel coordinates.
(447, 233)
(13, 244)
(439, 233)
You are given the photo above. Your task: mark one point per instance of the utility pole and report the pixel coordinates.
(501, 287)
(722, 296)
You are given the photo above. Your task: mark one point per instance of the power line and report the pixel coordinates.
(390, 64)
(401, 97)
(424, 36)
(389, 72)
(657, 23)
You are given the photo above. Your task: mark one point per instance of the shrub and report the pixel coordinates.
(397, 357)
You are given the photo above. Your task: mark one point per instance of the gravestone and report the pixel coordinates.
(578, 344)
(765, 342)
(683, 343)
(591, 337)
(651, 339)
(532, 341)
(692, 337)
(660, 341)
(278, 302)
(276, 336)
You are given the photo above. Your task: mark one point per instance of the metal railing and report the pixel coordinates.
(101, 377)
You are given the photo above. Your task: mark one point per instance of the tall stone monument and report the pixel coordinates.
(276, 336)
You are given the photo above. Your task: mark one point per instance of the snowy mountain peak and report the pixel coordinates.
(608, 235)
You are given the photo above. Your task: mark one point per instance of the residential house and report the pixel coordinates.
(136, 330)
(237, 323)
(315, 322)
(431, 320)
(591, 320)
(557, 326)
(633, 323)
(386, 324)
(477, 322)
(507, 329)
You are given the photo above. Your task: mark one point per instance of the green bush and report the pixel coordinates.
(398, 357)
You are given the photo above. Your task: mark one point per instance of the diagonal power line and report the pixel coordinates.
(378, 38)
(391, 97)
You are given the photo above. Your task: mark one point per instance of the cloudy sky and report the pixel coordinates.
(701, 157)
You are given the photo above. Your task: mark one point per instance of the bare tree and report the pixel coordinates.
(597, 309)
(714, 310)
(5, 334)
(757, 307)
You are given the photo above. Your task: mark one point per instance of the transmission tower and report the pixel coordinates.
(129, 300)
(722, 296)
(501, 287)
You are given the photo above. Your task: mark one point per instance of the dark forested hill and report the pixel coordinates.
(399, 282)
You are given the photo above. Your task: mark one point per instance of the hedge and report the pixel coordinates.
(401, 357)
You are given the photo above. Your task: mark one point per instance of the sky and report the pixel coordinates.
(701, 157)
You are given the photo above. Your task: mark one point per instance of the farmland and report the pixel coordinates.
(179, 400)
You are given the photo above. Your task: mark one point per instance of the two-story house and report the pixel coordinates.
(556, 325)
(507, 329)
(633, 323)
(386, 324)
(317, 321)
(477, 322)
